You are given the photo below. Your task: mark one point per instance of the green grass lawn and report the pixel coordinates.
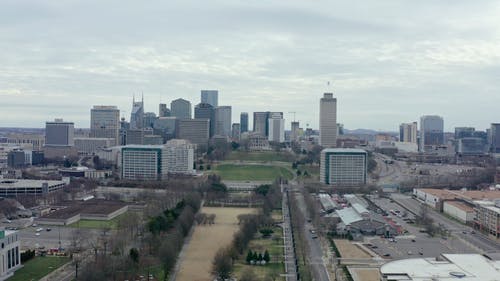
(112, 224)
(261, 156)
(251, 172)
(38, 267)
(274, 246)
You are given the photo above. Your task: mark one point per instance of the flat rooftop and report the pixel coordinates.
(468, 194)
(15, 183)
(462, 206)
(466, 267)
(344, 150)
(90, 207)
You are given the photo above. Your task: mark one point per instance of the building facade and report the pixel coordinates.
(431, 131)
(223, 121)
(260, 123)
(180, 157)
(105, 122)
(59, 133)
(143, 162)
(328, 121)
(343, 167)
(181, 109)
(163, 110)
(495, 138)
(195, 130)
(276, 128)
(210, 96)
(90, 146)
(137, 114)
(408, 132)
(10, 255)
(244, 122)
(206, 111)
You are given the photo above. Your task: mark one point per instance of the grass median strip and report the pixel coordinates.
(38, 267)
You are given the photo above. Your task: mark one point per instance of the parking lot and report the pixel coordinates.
(413, 242)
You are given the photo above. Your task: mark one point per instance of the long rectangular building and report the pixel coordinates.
(343, 167)
(14, 187)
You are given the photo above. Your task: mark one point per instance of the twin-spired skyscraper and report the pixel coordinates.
(328, 121)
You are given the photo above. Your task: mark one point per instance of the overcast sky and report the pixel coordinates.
(388, 61)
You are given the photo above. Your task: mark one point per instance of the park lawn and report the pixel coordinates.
(275, 248)
(261, 156)
(311, 170)
(252, 172)
(112, 224)
(38, 267)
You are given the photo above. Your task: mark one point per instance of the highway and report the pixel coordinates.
(477, 240)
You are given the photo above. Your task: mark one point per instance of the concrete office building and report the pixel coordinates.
(165, 127)
(223, 121)
(276, 128)
(206, 111)
(180, 157)
(137, 114)
(194, 130)
(343, 167)
(16, 158)
(260, 123)
(487, 217)
(210, 96)
(143, 162)
(10, 255)
(328, 121)
(470, 146)
(431, 131)
(134, 136)
(149, 119)
(408, 132)
(59, 133)
(495, 138)
(181, 109)
(244, 122)
(236, 131)
(295, 132)
(15, 187)
(163, 111)
(464, 132)
(37, 140)
(90, 146)
(105, 122)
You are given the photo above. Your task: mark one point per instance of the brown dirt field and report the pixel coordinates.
(207, 240)
(366, 274)
(350, 251)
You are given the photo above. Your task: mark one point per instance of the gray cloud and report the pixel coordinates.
(389, 61)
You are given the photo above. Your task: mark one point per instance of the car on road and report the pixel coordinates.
(387, 255)
(39, 229)
(413, 240)
(48, 229)
(37, 234)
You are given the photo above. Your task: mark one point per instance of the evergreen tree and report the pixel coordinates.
(255, 256)
(260, 257)
(249, 256)
(266, 257)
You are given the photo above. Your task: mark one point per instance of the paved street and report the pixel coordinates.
(290, 261)
(316, 258)
(477, 240)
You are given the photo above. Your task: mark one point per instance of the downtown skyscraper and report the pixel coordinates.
(210, 96)
(105, 122)
(328, 121)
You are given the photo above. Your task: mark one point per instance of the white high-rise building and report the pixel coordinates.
(343, 167)
(408, 132)
(276, 125)
(180, 156)
(10, 254)
(328, 121)
(210, 96)
(223, 121)
(105, 122)
(144, 162)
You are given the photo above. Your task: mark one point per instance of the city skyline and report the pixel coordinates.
(384, 63)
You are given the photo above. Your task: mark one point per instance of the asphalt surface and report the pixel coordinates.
(315, 254)
(290, 260)
(463, 232)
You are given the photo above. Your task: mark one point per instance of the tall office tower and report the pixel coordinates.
(149, 119)
(59, 133)
(260, 123)
(180, 157)
(236, 131)
(137, 115)
(343, 167)
(276, 127)
(210, 96)
(105, 123)
(328, 121)
(206, 111)
(495, 137)
(163, 110)
(244, 122)
(295, 131)
(431, 131)
(181, 109)
(144, 162)
(197, 131)
(165, 127)
(223, 121)
(408, 132)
